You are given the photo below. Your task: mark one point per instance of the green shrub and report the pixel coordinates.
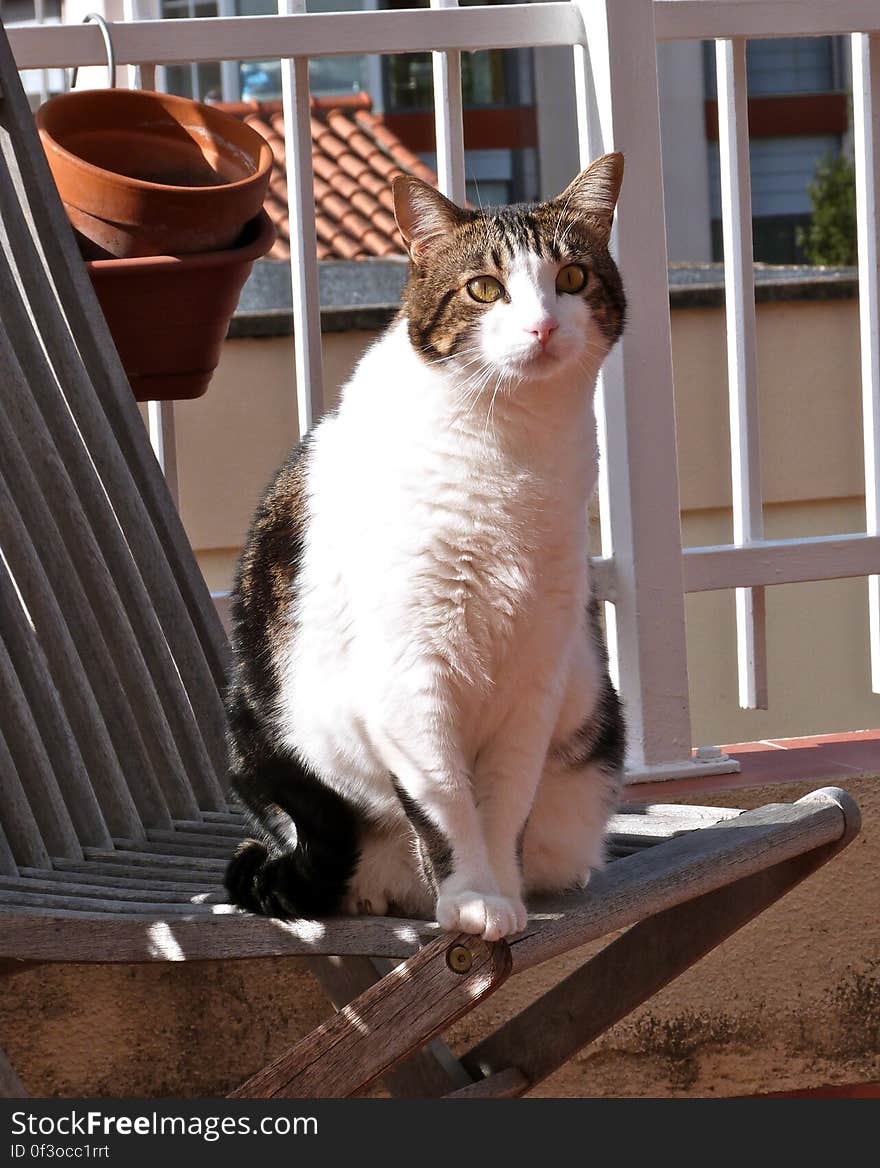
(830, 239)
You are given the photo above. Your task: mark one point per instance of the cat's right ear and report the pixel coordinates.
(422, 213)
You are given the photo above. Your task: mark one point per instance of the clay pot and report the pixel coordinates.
(168, 315)
(144, 173)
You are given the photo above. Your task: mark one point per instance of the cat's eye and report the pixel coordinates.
(485, 289)
(571, 278)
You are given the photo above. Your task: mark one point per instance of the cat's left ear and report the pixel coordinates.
(422, 213)
(594, 192)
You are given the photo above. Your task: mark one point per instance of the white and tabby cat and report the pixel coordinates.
(421, 716)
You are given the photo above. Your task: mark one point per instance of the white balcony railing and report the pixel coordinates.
(643, 572)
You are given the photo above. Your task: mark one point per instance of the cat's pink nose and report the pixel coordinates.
(544, 329)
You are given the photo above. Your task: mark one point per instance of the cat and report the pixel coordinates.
(421, 717)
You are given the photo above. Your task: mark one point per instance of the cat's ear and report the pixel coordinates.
(422, 213)
(594, 192)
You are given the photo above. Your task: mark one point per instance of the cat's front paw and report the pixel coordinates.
(488, 916)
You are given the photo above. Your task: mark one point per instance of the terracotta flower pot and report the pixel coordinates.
(144, 173)
(168, 315)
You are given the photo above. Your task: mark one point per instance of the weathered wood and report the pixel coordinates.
(198, 846)
(62, 935)
(678, 870)
(67, 880)
(426, 1074)
(385, 1023)
(38, 778)
(630, 970)
(125, 462)
(146, 859)
(55, 672)
(160, 909)
(227, 834)
(50, 493)
(14, 891)
(20, 828)
(57, 603)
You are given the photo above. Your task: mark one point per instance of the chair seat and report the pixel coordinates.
(162, 898)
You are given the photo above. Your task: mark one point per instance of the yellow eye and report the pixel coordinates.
(485, 289)
(571, 278)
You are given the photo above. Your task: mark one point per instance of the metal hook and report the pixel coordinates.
(96, 18)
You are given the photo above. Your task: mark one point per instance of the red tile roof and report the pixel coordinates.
(355, 157)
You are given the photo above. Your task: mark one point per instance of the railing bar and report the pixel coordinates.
(784, 561)
(163, 439)
(742, 359)
(308, 359)
(642, 460)
(449, 118)
(312, 34)
(589, 147)
(698, 20)
(866, 138)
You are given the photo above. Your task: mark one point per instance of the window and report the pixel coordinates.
(205, 80)
(797, 114)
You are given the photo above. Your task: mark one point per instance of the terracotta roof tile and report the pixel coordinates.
(355, 157)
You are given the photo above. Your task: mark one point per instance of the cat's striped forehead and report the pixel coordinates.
(542, 230)
(496, 243)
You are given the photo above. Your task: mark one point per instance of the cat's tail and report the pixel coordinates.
(278, 884)
(308, 850)
(308, 879)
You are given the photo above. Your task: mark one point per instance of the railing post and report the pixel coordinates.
(742, 359)
(449, 119)
(301, 218)
(619, 110)
(866, 132)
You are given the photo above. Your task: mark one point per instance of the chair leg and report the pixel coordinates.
(621, 977)
(428, 1073)
(387, 1022)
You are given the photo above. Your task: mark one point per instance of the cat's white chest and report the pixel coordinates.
(437, 563)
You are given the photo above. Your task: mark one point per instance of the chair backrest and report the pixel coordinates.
(111, 653)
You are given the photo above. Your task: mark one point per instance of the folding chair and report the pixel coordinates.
(114, 819)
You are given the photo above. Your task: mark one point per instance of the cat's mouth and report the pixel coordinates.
(539, 358)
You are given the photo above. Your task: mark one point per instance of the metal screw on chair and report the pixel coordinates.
(459, 959)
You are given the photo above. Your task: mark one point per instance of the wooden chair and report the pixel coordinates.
(114, 818)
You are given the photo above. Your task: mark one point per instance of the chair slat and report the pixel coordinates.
(69, 549)
(40, 782)
(62, 904)
(93, 878)
(56, 662)
(109, 864)
(123, 610)
(54, 597)
(205, 850)
(22, 835)
(10, 890)
(8, 865)
(135, 858)
(24, 667)
(127, 466)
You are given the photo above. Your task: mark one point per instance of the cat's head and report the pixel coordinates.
(514, 294)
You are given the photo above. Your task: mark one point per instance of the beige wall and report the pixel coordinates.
(231, 441)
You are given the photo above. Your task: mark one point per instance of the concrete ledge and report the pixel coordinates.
(365, 294)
